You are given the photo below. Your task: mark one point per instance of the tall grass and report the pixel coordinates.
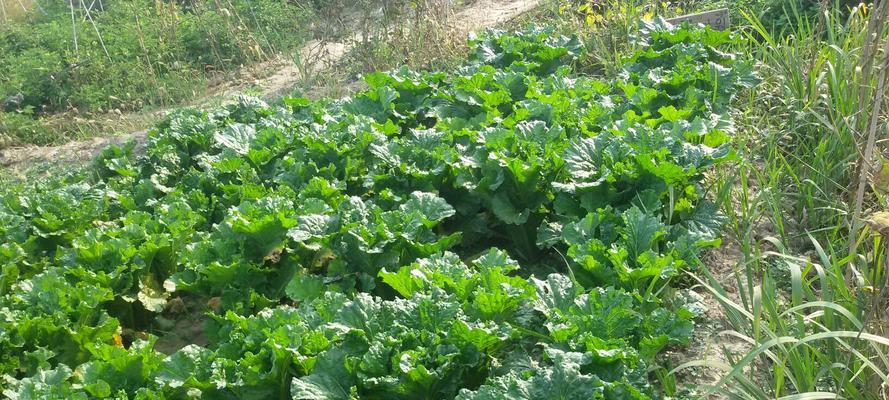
(807, 332)
(418, 34)
(807, 117)
(809, 306)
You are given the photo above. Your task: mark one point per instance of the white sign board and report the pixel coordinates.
(716, 19)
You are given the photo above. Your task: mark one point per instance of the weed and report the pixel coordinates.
(817, 332)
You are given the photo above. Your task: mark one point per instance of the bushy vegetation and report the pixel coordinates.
(805, 295)
(508, 230)
(514, 228)
(819, 328)
(130, 54)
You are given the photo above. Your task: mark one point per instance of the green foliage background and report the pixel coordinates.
(158, 52)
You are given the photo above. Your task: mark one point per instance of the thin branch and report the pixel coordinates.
(160, 90)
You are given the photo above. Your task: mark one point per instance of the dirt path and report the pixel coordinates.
(318, 56)
(482, 14)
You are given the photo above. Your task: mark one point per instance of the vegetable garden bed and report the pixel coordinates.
(509, 230)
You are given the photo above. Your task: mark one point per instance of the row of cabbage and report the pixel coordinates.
(509, 230)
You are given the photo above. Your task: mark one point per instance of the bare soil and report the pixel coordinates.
(482, 14)
(711, 341)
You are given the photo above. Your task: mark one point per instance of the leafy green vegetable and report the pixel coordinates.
(501, 231)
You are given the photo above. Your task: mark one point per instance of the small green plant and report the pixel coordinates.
(819, 338)
(21, 127)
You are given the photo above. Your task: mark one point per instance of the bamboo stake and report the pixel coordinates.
(227, 17)
(174, 19)
(251, 38)
(96, 28)
(74, 29)
(22, 5)
(262, 32)
(36, 4)
(214, 43)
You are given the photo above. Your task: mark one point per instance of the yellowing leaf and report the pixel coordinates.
(881, 178)
(880, 222)
(151, 294)
(118, 340)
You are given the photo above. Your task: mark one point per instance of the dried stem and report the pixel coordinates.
(872, 121)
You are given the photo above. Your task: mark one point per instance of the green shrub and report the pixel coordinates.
(145, 52)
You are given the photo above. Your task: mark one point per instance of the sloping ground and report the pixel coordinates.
(487, 13)
(479, 14)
